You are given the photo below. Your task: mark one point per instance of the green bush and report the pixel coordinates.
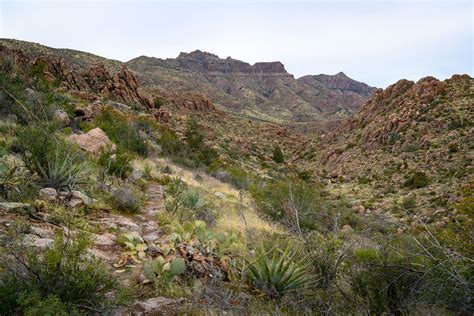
(64, 275)
(193, 152)
(409, 273)
(124, 132)
(117, 164)
(124, 199)
(409, 203)
(278, 155)
(418, 179)
(293, 202)
(183, 202)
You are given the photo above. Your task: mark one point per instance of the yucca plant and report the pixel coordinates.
(277, 274)
(9, 179)
(62, 171)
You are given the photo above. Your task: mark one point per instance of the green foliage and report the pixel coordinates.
(34, 305)
(177, 266)
(56, 162)
(135, 244)
(194, 152)
(278, 155)
(64, 275)
(418, 179)
(183, 202)
(325, 254)
(124, 132)
(206, 240)
(276, 274)
(294, 202)
(117, 164)
(409, 203)
(158, 102)
(407, 273)
(125, 199)
(163, 273)
(10, 179)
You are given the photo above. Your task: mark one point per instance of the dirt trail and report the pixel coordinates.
(144, 223)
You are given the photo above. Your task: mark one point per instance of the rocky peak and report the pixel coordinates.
(340, 81)
(197, 54)
(269, 67)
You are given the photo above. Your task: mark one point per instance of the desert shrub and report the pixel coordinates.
(417, 179)
(278, 155)
(409, 202)
(58, 164)
(116, 163)
(405, 274)
(293, 202)
(63, 275)
(183, 202)
(239, 177)
(10, 179)
(124, 132)
(125, 199)
(158, 102)
(326, 254)
(29, 100)
(276, 274)
(193, 152)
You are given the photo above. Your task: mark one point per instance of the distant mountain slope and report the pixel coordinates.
(263, 90)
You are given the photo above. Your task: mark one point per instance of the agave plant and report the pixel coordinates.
(61, 171)
(277, 275)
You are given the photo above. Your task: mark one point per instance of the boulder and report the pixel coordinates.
(20, 208)
(48, 194)
(222, 176)
(62, 117)
(31, 240)
(94, 141)
(78, 199)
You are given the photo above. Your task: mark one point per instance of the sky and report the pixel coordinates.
(377, 42)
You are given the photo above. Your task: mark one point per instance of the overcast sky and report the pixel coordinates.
(378, 42)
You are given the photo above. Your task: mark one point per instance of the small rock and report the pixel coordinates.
(48, 194)
(347, 229)
(136, 175)
(79, 195)
(13, 207)
(150, 238)
(106, 239)
(219, 195)
(41, 232)
(75, 203)
(222, 176)
(35, 241)
(154, 304)
(62, 117)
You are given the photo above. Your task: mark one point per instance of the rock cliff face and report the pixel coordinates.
(264, 90)
(421, 122)
(84, 80)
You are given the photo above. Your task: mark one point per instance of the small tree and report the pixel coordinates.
(278, 155)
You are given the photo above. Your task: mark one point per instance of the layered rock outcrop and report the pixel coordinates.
(84, 80)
